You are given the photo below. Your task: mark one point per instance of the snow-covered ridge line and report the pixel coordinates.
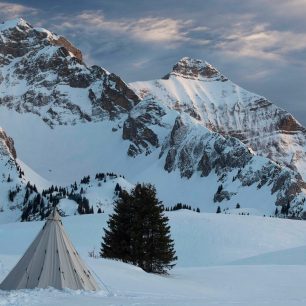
(13, 23)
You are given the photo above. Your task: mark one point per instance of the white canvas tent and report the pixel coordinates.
(51, 260)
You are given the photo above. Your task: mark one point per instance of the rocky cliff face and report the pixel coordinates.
(44, 74)
(200, 90)
(7, 145)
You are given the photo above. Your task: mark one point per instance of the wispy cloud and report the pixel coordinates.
(14, 10)
(149, 29)
(261, 42)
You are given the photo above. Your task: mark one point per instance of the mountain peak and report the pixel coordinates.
(31, 37)
(13, 23)
(194, 69)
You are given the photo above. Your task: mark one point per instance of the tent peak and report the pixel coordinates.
(54, 215)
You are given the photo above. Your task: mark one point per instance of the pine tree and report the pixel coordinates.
(138, 231)
(220, 188)
(218, 210)
(117, 238)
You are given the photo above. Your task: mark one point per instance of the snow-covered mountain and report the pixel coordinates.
(191, 150)
(69, 120)
(44, 74)
(197, 88)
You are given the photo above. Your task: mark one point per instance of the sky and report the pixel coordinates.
(260, 45)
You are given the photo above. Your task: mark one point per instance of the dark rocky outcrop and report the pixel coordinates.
(141, 136)
(136, 127)
(194, 69)
(9, 143)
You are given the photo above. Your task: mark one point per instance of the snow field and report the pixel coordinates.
(223, 260)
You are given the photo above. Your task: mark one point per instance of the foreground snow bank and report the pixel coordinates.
(223, 260)
(222, 285)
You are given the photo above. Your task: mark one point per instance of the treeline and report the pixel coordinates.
(36, 206)
(179, 206)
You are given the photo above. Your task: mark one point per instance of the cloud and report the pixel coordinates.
(156, 30)
(285, 8)
(14, 10)
(149, 29)
(262, 43)
(160, 30)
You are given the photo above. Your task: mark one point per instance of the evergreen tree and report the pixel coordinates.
(117, 238)
(138, 231)
(26, 196)
(220, 188)
(218, 210)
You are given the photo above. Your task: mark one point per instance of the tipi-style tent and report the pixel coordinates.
(51, 260)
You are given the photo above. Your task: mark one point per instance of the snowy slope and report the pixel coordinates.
(207, 245)
(91, 195)
(200, 90)
(12, 181)
(19, 192)
(101, 193)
